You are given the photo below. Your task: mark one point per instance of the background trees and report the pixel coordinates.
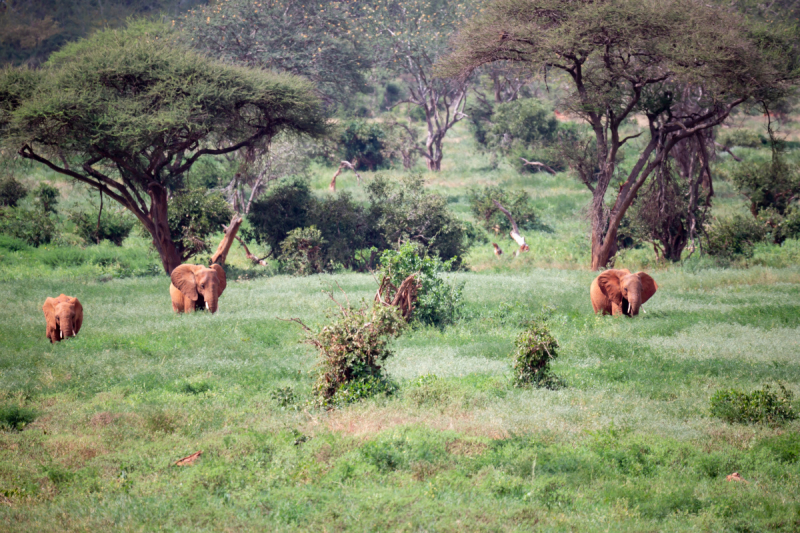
(634, 57)
(129, 112)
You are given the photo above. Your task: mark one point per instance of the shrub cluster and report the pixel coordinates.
(114, 225)
(14, 417)
(438, 302)
(364, 144)
(734, 237)
(352, 348)
(345, 233)
(11, 191)
(536, 348)
(765, 406)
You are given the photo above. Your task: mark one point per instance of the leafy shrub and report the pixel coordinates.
(46, 198)
(115, 226)
(525, 121)
(774, 184)
(763, 406)
(11, 191)
(12, 244)
(301, 251)
(734, 237)
(781, 227)
(284, 396)
(517, 202)
(283, 208)
(14, 417)
(195, 214)
(740, 137)
(438, 302)
(363, 144)
(351, 350)
(535, 349)
(30, 225)
(404, 212)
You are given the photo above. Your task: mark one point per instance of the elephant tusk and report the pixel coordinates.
(206, 305)
(62, 334)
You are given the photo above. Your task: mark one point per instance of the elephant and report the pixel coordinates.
(618, 292)
(64, 317)
(195, 286)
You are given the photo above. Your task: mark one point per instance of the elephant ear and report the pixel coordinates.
(221, 276)
(608, 282)
(78, 315)
(649, 286)
(183, 278)
(49, 309)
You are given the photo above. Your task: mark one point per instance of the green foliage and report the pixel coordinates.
(774, 184)
(438, 302)
(13, 244)
(194, 214)
(352, 348)
(46, 198)
(316, 40)
(740, 137)
(404, 212)
(281, 209)
(763, 406)
(363, 144)
(14, 417)
(517, 202)
(114, 225)
(782, 227)
(301, 251)
(284, 396)
(733, 237)
(30, 225)
(536, 348)
(11, 191)
(526, 121)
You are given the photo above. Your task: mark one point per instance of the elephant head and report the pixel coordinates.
(627, 291)
(200, 284)
(64, 316)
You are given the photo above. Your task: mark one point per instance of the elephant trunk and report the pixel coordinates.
(634, 303)
(66, 329)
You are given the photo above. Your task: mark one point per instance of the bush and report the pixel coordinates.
(740, 137)
(301, 251)
(517, 202)
(30, 225)
(351, 350)
(438, 302)
(283, 208)
(11, 191)
(734, 238)
(194, 214)
(525, 121)
(115, 226)
(781, 227)
(535, 349)
(363, 144)
(774, 184)
(12, 244)
(46, 198)
(763, 406)
(405, 212)
(14, 417)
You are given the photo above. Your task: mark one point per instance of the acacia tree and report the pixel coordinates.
(411, 36)
(129, 112)
(625, 57)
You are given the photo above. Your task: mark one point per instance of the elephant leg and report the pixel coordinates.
(616, 309)
(188, 305)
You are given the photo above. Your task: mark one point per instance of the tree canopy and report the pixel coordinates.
(683, 64)
(129, 112)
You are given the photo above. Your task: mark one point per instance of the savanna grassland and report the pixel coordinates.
(628, 444)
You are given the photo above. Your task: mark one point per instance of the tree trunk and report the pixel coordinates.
(162, 237)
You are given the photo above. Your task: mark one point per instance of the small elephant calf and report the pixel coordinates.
(618, 292)
(64, 316)
(195, 286)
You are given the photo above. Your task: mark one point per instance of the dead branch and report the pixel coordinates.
(250, 256)
(224, 247)
(514, 234)
(726, 149)
(297, 320)
(537, 164)
(343, 165)
(405, 296)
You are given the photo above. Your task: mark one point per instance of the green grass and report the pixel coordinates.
(628, 445)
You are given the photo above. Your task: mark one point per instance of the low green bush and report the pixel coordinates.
(734, 237)
(438, 302)
(13, 244)
(301, 251)
(33, 226)
(741, 137)
(536, 348)
(517, 202)
(765, 406)
(14, 417)
(11, 191)
(363, 143)
(114, 226)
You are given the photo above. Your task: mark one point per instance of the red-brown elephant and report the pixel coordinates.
(195, 287)
(64, 317)
(618, 292)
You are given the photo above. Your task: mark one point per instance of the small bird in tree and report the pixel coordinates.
(497, 250)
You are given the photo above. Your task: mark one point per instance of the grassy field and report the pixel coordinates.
(627, 445)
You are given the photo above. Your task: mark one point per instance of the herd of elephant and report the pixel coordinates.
(193, 287)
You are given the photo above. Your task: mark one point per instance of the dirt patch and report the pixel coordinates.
(365, 422)
(103, 419)
(466, 448)
(74, 453)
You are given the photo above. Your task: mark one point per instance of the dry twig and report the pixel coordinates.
(514, 234)
(342, 165)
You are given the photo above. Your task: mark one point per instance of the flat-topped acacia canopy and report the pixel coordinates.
(129, 112)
